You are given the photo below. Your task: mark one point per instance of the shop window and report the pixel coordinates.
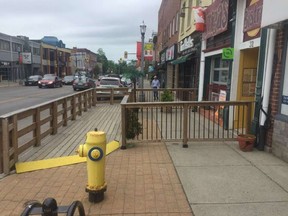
(220, 70)
(249, 82)
(4, 45)
(284, 98)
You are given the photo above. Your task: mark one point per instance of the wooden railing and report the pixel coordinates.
(111, 95)
(25, 128)
(187, 121)
(179, 94)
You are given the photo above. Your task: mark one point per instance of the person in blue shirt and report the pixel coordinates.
(155, 84)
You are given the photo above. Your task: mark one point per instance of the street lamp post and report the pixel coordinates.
(18, 50)
(142, 31)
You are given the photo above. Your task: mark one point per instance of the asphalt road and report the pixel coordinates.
(19, 97)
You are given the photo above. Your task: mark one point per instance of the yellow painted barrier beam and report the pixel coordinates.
(22, 167)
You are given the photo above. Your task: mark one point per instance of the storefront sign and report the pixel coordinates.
(228, 53)
(170, 53)
(253, 16)
(216, 18)
(222, 95)
(285, 99)
(186, 44)
(26, 58)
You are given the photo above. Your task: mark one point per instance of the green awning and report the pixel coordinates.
(181, 59)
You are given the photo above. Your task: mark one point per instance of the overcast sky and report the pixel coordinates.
(112, 25)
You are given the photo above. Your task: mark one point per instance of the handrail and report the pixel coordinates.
(37, 122)
(187, 120)
(46, 118)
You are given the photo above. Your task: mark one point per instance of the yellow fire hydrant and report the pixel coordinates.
(95, 151)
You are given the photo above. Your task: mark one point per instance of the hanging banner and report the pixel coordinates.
(148, 51)
(199, 18)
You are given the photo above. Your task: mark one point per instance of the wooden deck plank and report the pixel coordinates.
(104, 117)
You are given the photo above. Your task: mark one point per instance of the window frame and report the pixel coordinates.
(221, 69)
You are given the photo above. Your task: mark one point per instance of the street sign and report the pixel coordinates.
(228, 53)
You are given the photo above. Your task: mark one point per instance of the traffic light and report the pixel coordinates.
(125, 55)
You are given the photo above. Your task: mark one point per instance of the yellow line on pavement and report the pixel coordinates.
(60, 161)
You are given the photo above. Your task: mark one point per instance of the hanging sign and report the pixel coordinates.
(199, 18)
(228, 53)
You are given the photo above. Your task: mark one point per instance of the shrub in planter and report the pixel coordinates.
(133, 126)
(167, 96)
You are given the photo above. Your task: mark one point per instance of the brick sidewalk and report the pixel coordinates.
(141, 180)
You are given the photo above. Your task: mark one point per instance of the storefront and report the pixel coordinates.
(249, 48)
(218, 35)
(171, 69)
(161, 69)
(188, 61)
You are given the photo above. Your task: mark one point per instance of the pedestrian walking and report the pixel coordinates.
(155, 84)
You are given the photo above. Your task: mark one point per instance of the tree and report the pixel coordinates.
(97, 70)
(132, 73)
(111, 66)
(101, 57)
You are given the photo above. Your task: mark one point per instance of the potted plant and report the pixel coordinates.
(133, 126)
(167, 96)
(246, 142)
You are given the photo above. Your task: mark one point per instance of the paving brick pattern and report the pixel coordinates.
(141, 180)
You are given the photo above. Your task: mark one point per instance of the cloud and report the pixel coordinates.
(112, 25)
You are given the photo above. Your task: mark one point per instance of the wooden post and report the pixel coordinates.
(14, 138)
(185, 126)
(123, 126)
(37, 131)
(112, 96)
(85, 101)
(5, 146)
(94, 97)
(248, 117)
(79, 104)
(65, 115)
(73, 104)
(54, 122)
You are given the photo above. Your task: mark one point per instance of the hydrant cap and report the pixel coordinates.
(93, 137)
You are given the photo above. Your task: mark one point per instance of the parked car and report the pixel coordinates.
(109, 82)
(83, 82)
(126, 82)
(68, 80)
(50, 81)
(32, 80)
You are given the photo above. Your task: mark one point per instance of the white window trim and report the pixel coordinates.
(220, 69)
